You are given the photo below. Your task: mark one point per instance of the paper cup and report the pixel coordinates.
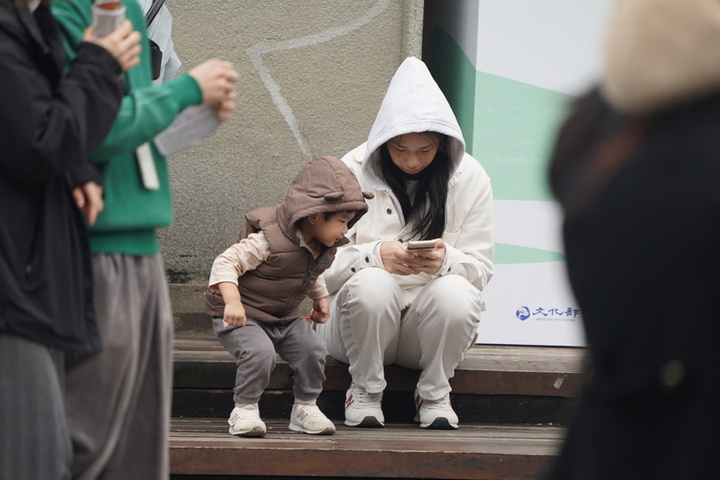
(107, 16)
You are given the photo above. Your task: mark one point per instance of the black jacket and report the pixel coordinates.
(641, 202)
(49, 124)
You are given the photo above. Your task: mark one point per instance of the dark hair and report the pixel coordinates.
(427, 210)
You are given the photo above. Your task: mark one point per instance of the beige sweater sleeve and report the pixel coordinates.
(318, 290)
(661, 53)
(245, 255)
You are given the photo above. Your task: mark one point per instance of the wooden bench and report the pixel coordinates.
(489, 381)
(202, 447)
(511, 402)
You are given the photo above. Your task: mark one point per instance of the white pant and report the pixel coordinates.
(370, 327)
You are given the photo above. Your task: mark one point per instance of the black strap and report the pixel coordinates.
(153, 11)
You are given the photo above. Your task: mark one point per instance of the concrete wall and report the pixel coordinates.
(313, 74)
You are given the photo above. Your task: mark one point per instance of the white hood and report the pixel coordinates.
(413, 104)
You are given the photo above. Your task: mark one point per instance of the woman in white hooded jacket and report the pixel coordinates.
(392, 306)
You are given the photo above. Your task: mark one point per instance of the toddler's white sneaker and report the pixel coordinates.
(245, 421)
(309, 419)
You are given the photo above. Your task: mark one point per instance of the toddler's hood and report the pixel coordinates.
(325, 184)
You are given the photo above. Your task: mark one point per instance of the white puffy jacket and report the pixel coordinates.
(414, 103)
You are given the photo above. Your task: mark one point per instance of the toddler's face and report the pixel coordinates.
(330, 231)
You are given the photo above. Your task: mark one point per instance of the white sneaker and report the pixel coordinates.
(309, 419)
(245, 422)
(363, 409)
(436, 414)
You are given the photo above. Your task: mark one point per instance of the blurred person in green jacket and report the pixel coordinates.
(120, 428)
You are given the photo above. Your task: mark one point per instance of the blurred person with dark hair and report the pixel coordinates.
(636, 168)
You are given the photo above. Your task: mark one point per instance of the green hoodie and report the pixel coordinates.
(132, 212)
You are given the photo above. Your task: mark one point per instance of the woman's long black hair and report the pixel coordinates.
(427, 210)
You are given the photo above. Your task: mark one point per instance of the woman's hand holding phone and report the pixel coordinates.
(413, 257)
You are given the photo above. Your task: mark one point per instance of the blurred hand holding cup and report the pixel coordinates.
(107, 16)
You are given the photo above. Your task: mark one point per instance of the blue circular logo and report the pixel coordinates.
(523, 313)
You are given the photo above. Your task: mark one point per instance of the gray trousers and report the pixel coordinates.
(254, 346)
(118, 402)
(34, 440)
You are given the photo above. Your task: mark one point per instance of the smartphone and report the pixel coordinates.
(421, 245)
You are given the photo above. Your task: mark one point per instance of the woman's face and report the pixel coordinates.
(412, 152)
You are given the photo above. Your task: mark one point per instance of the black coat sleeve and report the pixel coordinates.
(49, 127)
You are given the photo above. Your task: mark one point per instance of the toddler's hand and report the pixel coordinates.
(321, 310)
(234, 315)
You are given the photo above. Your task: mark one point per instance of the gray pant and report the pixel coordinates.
(118, 401)
(34, 440)
(254, 347)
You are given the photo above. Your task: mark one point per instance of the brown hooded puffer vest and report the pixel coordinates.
(273, 292)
